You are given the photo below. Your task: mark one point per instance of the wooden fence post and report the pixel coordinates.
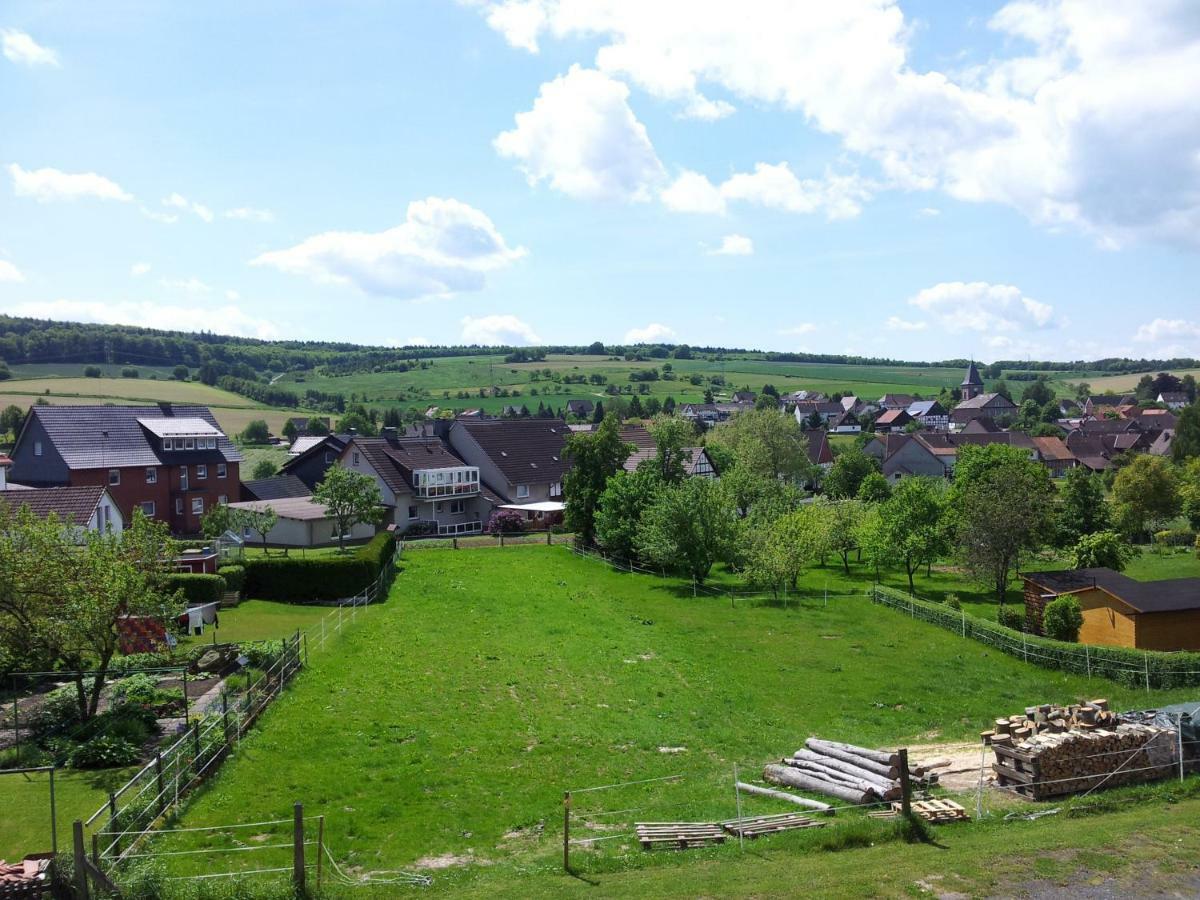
(112, 821)
(81, 879)
(566, 831)
(196, 744)
(905, 785)
(320, 847)
(298, 847)
(158, 772)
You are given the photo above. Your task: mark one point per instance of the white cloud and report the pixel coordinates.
(232, 295)
(583, 139)
(20, 48)
(929, 212)
(773, 186)
(139, 269)
(165, 218)
(250, 214)
(178, 201)
(798, 330)
(1161, 330)
(734, 245)
(651, 334)
(984, 307)
(10, 273)
(895, 323)
(191, 285)
(1085, 116)
(221, 320)
(497, 329)
(45, 185)
(443, 247)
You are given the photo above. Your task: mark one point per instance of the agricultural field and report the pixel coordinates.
(1103, 384)
(441, 732)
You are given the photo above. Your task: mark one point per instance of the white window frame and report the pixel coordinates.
(114, 477)
(148, 508)
(556, 489)
(201, 472)
(414, 512)
(522, 491)
(179, 506)
(222, 470)
(183, 478)
(462, 507)
(197, 506)
(189, 443)
(151, 475)
(168, 444)
(212, 443)
(355, 459)
(37, 448)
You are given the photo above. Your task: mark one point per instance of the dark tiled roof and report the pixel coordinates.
(1109, 426)
(972, 379)
(981, 425)
(1174, 396)
(396, 460)
(275, 488)
(331, 442)
(77, 434)
(639, 436)
(1052, 449)
(1145, 596)
(524, 450)
(926, 408)
(893, 417)
(819, 452)
(74, 503)
(987, 401)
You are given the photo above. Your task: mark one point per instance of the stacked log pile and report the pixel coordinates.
(25, 879)
(1052, 751)
(854, 774)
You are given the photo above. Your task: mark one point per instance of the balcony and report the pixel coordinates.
(461, 481)
(460, 528)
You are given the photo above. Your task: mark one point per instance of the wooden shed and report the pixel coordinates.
(1119, 611)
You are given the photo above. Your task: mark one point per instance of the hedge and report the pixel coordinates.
(1134, 668)
(198, 589)
(311, 580)
(235, 577)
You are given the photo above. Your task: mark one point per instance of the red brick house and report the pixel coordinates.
(174, 463)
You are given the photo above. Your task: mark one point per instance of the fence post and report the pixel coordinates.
(1087, 657)
(305, 636)
(737, 794)
(81, 883)
(112, 822)
(1146, 656)
(158, 772)
(320, 847)
(905, 785)
(455, 539)
(1024, 647)
(298, 847)
(964, 623)
(693, 586)
(53, 816)
(225, 716)
(1178, 736)
(548, 541)
(566, 831)
(196, 744)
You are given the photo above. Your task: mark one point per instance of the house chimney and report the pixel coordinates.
(388, 433)
(165, 408)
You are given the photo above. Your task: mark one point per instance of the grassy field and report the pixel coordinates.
(1102, 384)
(448, 725)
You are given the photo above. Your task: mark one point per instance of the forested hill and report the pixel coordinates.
(24, 340)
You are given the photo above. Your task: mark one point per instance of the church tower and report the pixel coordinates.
(972, 384)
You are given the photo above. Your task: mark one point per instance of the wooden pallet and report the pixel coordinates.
(883, 814)
(936, 810)
(754, 826)
(678, 835)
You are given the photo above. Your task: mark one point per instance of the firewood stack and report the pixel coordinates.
(25, 879)
(854, 774)
(1052, 751)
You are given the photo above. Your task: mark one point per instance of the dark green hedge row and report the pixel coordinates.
(313, 580)
(235, 577)
(197, 589)
(1134, 668)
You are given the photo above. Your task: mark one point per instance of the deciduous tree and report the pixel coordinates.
(766, 442)
(350, 497)
(846, 474)
(910, 531)
(1145, 494)
(1082, 509)
(594, 458)
(689, 526)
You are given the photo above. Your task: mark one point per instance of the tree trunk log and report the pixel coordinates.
(853, 759)
(782, 795)
(884, 789)
(795, 778)
(879, 756)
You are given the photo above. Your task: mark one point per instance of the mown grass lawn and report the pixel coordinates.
(25, 806)
(451, 720)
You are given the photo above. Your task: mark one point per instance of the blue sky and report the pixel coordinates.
(916, 180)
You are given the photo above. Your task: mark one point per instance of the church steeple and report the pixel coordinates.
(972, 384)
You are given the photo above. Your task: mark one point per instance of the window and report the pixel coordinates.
(197, 506)
(223, 499)
(189, 444)
(168, 444)
(356, 457)
(148, 507)
(556, 489)
(37, 448)
(212, 443)
(183, 478)
(179, 506)
(522, 491)
(151, 475)
(412, 512)
(114, 476)
(328, 457)
(201, 472)
(222, 470)
(457, 507)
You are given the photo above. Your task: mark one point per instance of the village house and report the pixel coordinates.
(845, 422)
(820, 454)
(425, 486)
(86, 508)
(315, 457)
(696, 459)
(825, 410)
(1099, 404)
(277, 487)
(1173, 399)
(931, 415)
(580, 409)
(1119, 611)
(174, 463)
(520, 460)
(744, 397)
(892, 420)
(996, 407)
(896, 401)
(904, 456)
(309, 424)
(703, 414)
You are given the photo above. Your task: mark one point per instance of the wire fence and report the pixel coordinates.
(1135, 668)
(141, 805)
(476, 541)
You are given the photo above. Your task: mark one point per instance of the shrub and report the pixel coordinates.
(953, 602)
(420, 529)
(1012, 617)
(1103, 549)
(129, 372)
(235, 577)
(60, 710)
(307, 580)
(261, 654)
(119, 665)
(506, 521)
(103, 752)
(1062, 619)
(143, 691)
(1175, 537)
(91, 372)
(198, 589)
